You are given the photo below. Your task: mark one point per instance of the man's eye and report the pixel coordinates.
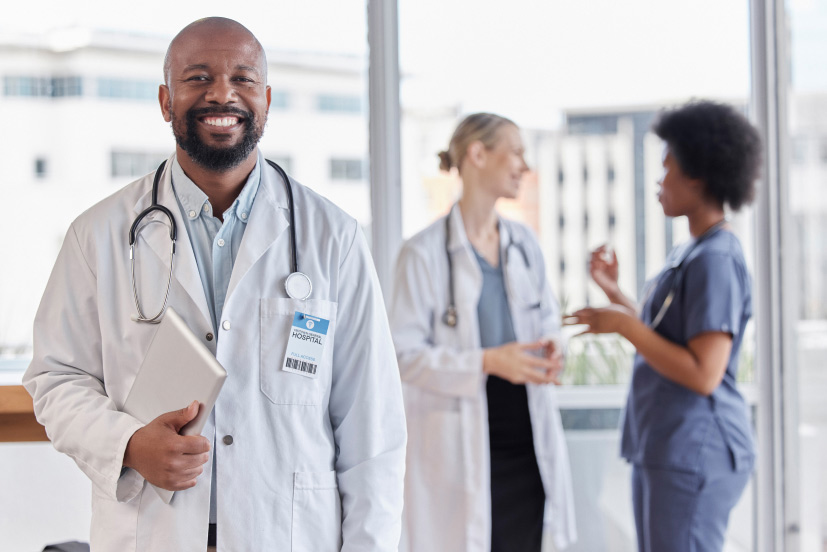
(197, 78)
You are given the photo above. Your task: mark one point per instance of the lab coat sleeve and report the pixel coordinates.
(66, 379)
(446, 370)
(366, 410)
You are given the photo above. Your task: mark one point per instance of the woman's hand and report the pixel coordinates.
(611, 319)
(603, 269)
(514, 362)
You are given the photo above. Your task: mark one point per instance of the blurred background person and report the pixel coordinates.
(686, 429)
(473, 317)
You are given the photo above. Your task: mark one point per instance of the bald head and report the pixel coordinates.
(232, 32)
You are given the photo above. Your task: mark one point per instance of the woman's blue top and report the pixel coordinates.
(665, 424)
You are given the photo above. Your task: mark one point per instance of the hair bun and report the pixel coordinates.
(444, 161)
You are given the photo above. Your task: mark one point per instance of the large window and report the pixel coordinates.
(807, 227)
(584, 81)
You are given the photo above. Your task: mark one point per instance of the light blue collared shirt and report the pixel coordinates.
(215, 245)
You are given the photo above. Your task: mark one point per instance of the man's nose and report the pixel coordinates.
(221, 92)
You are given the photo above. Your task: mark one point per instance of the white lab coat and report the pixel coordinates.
(315, 464)
(448, 481)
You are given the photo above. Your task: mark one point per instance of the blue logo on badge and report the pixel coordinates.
(306, 322)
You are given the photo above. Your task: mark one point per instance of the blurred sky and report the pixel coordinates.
(525, 58)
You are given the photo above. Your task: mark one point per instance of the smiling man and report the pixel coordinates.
(304, 449)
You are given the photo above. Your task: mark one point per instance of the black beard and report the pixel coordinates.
(216, 159)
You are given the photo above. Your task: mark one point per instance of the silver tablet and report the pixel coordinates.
(177, 370)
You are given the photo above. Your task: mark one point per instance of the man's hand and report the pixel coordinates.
(165, 458)
(515, 363)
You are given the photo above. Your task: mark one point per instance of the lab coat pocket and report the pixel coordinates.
(317, 512)
(290, 388)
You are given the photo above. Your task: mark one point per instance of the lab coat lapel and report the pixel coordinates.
(155, 236)
(268, 221)
(467, 280)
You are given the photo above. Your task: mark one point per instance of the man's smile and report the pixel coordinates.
(221, 121)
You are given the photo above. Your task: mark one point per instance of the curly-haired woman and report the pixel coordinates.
(686, 429)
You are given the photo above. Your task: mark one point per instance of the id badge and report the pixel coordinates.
(305, 347)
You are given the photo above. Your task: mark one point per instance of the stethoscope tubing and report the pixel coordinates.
(670, 297)
(173, 233)
(451, 316)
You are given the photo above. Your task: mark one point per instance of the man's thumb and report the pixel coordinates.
(179, 418)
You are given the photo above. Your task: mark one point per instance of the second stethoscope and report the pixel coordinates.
(451, 316)
(676, 282)
(297, 285)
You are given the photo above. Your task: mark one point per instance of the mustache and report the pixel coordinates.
(216, 110)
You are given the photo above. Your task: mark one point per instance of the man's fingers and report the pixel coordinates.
(192, 444)
(190, 461)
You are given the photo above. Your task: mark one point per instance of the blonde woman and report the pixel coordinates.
(473, 322)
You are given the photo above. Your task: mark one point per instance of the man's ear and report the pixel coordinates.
(164, 100)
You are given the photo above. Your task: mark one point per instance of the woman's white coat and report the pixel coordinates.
(447, 483)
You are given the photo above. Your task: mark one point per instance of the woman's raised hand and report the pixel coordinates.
(604, 269)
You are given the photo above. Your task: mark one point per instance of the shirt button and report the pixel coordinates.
(220, 242)
(226, 325)
(192, 214)
(244, 216)
(206, 207)
(228, 439)
(209, 337)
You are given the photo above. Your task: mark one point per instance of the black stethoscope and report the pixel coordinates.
(676, 282)
(297, 285)
(450, 317)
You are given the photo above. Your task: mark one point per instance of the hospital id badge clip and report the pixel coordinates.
(305, 346)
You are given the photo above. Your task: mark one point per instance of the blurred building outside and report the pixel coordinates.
(84, 108)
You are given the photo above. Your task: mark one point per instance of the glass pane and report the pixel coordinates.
(79, 86)
(808, 219)
(584, 81)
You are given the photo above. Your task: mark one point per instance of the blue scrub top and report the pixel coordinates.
(665, 424)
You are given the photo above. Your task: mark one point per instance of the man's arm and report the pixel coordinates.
(366, 410)
(66, 379)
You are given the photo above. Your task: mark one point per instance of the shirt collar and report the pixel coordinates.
(195, 202)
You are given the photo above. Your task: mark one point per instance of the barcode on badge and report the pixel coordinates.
(300, 365)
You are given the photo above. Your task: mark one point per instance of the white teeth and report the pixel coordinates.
(223, 122)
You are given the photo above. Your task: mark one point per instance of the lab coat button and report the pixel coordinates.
(228, 439)
(226, 325)
(209, 337)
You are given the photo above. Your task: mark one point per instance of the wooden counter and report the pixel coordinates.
(17, 421)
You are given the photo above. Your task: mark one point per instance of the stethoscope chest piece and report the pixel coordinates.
(449, 317)
(298, 286)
